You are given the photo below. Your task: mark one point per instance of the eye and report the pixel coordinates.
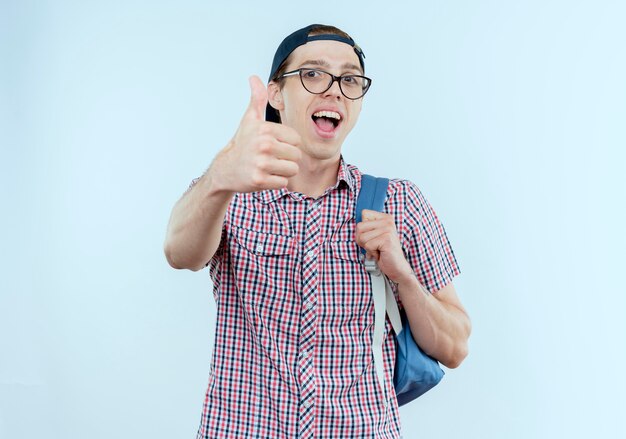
(351, 81)
(311, 74)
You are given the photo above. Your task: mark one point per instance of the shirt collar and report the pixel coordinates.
(344, 174)
(270, 195)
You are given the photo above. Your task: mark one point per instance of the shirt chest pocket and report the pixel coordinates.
(345, 284)
(345, 251)
(263, 264)
(263, 244)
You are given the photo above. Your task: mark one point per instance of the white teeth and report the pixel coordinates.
(332, 114)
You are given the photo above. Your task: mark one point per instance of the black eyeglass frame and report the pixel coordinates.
(334, 78)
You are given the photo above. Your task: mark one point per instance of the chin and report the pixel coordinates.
(323, 152)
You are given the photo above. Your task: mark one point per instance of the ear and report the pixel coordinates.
(275, 96)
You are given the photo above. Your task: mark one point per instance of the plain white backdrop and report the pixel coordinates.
(510, 116)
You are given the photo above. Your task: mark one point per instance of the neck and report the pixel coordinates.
(314, 176)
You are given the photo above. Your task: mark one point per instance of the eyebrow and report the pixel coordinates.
(324, 63)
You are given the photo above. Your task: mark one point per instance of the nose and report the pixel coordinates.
(334, 90)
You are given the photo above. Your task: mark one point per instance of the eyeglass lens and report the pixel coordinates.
(318, 81)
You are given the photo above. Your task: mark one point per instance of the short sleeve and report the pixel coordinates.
(425, 242)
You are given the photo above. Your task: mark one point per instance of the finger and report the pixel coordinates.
(363, 238)
(277, 182)
(372, 255)
(274, 182)
(370, 215)
(366, 224)
(374, 246)
(287, 151)
(367, 237)
(282, 168)
(286, 134)
(258, 99)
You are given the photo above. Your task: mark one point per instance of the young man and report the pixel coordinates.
(274, 218)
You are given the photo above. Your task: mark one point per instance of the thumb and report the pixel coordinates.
(258, 99)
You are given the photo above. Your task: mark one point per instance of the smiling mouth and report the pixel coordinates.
(326, 121)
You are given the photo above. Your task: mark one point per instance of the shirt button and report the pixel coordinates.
(308, 304)
(308, 403)
(310, 253)
(259, 248)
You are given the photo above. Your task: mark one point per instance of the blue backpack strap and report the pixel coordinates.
(372, 196)
(414, 371)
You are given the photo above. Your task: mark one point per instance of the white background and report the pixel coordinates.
(510, 116)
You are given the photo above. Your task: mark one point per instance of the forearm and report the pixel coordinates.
(195, 227)
(441, 329)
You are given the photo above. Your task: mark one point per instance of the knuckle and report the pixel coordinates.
(257, 179)
(265, 128)
(265, 146)
(276, 182)
(262, 164)
(294, 169)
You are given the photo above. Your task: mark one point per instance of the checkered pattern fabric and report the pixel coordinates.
(293, 341)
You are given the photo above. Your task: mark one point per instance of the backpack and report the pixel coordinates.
(415, 372)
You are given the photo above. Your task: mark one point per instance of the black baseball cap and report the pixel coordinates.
(291, 43)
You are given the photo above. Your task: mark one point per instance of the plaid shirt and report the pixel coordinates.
(292, 355)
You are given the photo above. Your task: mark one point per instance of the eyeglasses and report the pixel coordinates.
(318, 81)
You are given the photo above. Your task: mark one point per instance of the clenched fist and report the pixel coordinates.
(261, 155)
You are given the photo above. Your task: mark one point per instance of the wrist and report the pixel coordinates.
(407, 279)
(215, 183)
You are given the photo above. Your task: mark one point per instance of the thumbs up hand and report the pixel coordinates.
(261, 155)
